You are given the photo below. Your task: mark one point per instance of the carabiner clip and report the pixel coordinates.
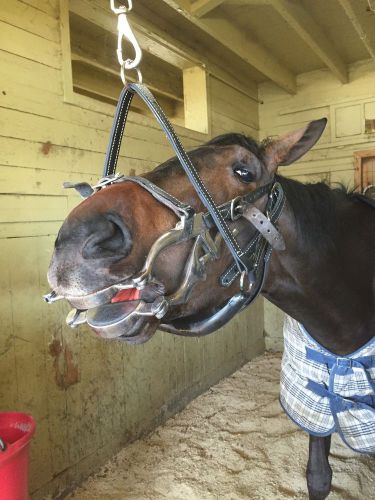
(125, 31)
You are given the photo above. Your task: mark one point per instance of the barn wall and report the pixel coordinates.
(88, 396)
(320, 94)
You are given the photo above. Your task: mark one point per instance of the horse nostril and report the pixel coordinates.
(111, 238)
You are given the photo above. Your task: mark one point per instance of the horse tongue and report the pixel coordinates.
(126, 295)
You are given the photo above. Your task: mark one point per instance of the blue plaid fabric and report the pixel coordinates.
(325, 393)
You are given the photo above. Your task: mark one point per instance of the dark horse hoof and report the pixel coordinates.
(319, 483)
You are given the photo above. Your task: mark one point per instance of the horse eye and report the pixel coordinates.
(243, 174)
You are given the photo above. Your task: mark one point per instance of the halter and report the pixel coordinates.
(250, 263)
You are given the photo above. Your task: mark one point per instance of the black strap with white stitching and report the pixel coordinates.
(241, 258)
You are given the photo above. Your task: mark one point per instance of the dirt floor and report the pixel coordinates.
(233, 442)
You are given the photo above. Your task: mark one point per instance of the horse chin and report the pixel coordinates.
(134, 330)
(129, 315)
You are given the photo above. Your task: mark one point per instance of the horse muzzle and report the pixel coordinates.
(119, 320)
(119, 311)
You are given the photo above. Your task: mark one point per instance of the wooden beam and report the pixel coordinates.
(345, 4)
(158, 42)
(307, 29)
(225, 34)
(196, 99)
(201, 7)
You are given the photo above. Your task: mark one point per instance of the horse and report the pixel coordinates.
(323, 276)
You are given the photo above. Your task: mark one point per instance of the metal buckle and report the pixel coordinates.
(233, 208)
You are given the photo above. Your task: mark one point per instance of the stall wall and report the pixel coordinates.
(88, 396)
(346, 106)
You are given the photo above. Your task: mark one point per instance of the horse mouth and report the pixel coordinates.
(131, 314)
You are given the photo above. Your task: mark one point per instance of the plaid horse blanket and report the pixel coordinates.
(325, 393)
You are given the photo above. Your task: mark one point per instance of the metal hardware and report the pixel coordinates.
(233, 209)
(76, 318)
(125, 31)
(123, 78)
(121, 8)
(52, 297)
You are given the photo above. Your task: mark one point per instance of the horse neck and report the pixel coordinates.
(326, 284)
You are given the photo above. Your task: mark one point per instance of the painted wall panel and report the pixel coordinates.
(89, 396)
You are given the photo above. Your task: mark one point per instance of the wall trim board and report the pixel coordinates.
(322, 104)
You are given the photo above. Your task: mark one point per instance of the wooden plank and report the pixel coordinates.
(156, 72)
(149, 81)
(30, 19)
(39, 182)
(34, 155)
(39, 129)
(158, 39)
(196, 99)
(27, 229)
(31, 74)
(201, 7)
(24, 208)
(148, 39)
(309, 31)
(229, 102)
(8, 386)
(92, 80)
(42, 103)
(66, 63)
(223, 32)
(345, 4)
(222, 124)
(20, 42)
(50, 7)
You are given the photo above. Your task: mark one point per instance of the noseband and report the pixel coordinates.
(249, 263)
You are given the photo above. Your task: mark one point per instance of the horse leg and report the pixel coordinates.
(319, 472)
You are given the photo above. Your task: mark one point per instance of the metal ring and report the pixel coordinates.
(233, 208)
(122, 74)
(121, 8)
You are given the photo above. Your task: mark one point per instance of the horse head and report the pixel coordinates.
(122, 257)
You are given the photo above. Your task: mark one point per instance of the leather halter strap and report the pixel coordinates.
(228, 210)
(242, 258)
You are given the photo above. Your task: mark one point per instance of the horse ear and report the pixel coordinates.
(290, 147)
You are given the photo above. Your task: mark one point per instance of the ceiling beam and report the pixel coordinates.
(345, 4)
(159, 42)
(223, 32)
(309, 31)
(201, 7)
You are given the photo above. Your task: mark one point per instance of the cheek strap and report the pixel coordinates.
(265, 227)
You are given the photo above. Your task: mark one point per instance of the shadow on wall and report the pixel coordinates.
(273, 327)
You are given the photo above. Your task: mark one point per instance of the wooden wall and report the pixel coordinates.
(346, 106)
(88, 396)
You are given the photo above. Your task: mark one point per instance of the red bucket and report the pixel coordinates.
(16, 431)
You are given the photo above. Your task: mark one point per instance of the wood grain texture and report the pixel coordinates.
(89, 396)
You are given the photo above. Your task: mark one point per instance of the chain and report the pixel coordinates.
(125, 31)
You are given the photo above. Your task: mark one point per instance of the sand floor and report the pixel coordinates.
(233, 442)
